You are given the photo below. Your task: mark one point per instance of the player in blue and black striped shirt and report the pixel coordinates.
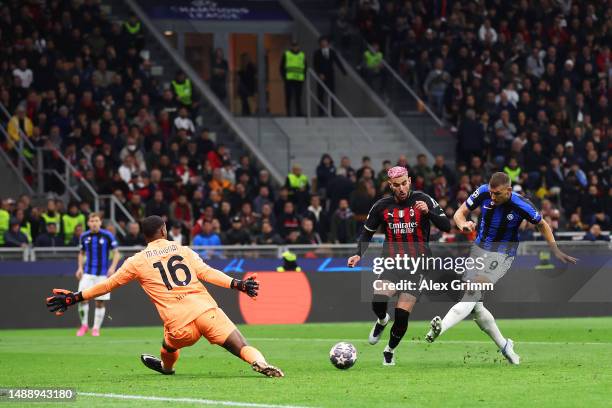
(95, 265)
(502, 212)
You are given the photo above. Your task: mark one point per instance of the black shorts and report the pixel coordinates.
(409, 282)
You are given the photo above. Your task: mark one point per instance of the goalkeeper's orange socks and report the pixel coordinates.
(168, 359)
(251, 354)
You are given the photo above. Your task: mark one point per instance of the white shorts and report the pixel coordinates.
(496, 264)
(88, 280)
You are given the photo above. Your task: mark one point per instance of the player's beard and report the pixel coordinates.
(398, 196)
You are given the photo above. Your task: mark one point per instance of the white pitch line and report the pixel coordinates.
(188, 400)
(305, 339)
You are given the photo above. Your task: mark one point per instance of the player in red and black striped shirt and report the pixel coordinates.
(405, 218)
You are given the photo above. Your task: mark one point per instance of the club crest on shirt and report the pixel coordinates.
(510, 217)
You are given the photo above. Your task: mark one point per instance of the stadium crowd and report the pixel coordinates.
(528, 97)
(525, 85)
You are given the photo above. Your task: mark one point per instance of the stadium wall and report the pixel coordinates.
(316, 295)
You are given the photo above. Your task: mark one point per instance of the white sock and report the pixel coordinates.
(388, 349)
(485, 320)
(99, 317)
(384, 321)
(84, 313)
(456, 314)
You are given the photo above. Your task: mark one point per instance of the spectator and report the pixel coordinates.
(247, 85)
(50, 238)
(176, 234)
(23, 74)
(14, 237)
(317, 214)
(324, 60)
(158, 206)
(288, 220)
(298, 187)
(595, 234)
(5, 217)
(325, 172)
(373, 66)
(308, 236)
(435, 85)
(343, 226)
(183, 122)
(293, 70)
(181, 85)
(133, 237)
(237, 235)
(268, 236)
(218, 75)
(181, 211)
(71, 220)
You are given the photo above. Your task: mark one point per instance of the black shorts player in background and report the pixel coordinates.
(405, 218)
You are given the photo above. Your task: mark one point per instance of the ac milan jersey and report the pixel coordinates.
(406, 229)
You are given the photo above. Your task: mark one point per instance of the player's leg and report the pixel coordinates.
(485, 320)
(403, 308)
(456, 314)
(219, 329)
(99, 314)
(165, 365)
(173, 341)
(238, 346)
(83, 307)
(380, 301)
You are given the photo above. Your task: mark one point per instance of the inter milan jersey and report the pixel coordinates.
(406, 229)
(97, 247)
(499, 224)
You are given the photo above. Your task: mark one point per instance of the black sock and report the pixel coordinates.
(379, 305)
(400, 325)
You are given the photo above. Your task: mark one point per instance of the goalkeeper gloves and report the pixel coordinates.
(61, 300)
(249, 286)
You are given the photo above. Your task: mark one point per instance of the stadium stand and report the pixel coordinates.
(521, 94)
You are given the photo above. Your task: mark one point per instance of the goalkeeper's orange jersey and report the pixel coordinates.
(170, 274)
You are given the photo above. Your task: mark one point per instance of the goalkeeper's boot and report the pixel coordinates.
(377, 330)
(388, 357)
(154, 364)
(82, 330)
(267, 369)
(436, 328)
(508, 352)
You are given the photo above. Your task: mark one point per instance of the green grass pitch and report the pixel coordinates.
(565, 363)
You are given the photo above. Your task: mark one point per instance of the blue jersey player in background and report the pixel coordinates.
(502, 212)
(95, 264)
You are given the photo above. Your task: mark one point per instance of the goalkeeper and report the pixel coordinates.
(170, 274)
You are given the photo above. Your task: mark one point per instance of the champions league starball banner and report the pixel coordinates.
(206, 10)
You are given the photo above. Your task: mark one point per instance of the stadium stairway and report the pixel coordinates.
(437, 140)
(165, 69)
(309, 139)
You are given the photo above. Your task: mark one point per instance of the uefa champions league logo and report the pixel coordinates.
(510, 217)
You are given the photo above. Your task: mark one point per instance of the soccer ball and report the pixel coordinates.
(343, 355)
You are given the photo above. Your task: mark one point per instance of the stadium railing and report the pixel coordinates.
(331, 97)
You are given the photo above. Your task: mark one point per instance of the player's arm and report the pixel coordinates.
(80, 263)
(547, 233)
(435, 213)
(473, 201)
(460, 218)
(369, 228)
(208, 274)
(116, 256)
(62, 298)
